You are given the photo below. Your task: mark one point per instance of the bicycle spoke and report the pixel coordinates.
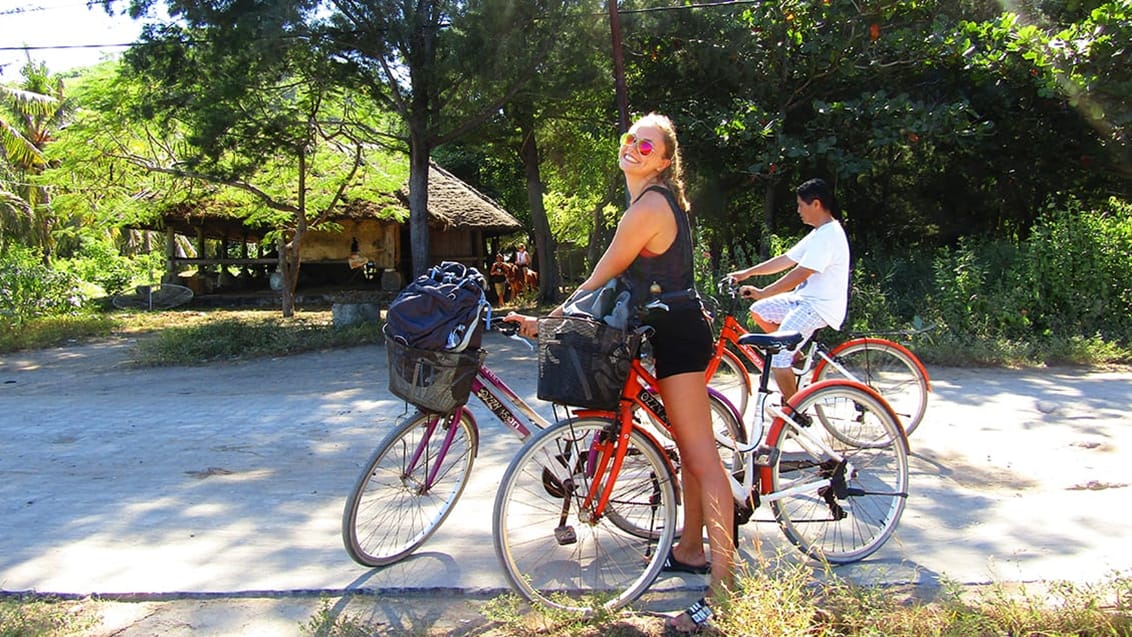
(394, 507)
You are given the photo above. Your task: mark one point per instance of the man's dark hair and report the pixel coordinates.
(818, 189)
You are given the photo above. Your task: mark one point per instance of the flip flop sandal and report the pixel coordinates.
(699, 613)
(673, 565)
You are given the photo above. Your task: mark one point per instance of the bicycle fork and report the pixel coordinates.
(589, 486)
(422, 450)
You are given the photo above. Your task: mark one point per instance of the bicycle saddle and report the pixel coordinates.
(772, 342)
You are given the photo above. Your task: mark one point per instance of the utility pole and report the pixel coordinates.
(619, 75)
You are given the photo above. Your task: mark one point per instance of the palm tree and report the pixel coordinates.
(28, 120)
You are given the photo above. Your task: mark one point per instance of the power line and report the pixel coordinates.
(90, 4)
(685, 7)
(54, 47)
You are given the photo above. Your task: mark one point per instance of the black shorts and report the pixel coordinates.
(682, 341)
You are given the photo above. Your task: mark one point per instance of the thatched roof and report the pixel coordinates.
(453, 205)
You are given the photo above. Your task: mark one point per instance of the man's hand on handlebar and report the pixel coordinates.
(750, 292)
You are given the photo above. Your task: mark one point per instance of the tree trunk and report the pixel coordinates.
(601, 234)
(290, 273)
(290, 253)
(418, 201)
(545, 247)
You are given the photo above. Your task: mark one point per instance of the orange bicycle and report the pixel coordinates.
(885, 365)
(586, 512)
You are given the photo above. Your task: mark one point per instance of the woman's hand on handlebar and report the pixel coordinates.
(528, 325)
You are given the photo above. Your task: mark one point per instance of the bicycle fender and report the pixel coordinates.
(879, 341)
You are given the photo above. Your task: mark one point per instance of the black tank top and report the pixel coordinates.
(672, 269)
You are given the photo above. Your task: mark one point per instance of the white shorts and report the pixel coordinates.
(791, 314)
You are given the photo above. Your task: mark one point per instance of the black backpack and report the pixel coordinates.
(444, 309)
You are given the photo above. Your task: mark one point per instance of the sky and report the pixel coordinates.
(60, 23)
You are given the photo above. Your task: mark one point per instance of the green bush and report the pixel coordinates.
(98, 261)
(29, 289)
(1062, 294)
(1079, 263)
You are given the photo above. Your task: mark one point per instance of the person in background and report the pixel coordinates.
(653, 244)
(498, 277)
(523, 260)
(815, 291)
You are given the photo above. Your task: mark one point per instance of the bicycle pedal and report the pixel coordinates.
(565, 535)
(766, 456)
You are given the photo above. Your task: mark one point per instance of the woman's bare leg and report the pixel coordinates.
(686, 402)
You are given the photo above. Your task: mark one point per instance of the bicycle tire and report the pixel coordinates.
(889, 368)
(856, 513)
(540, 503)
(728, 429)
(732, 379)
(388, 514)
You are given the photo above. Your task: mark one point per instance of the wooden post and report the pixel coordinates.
(170, 254)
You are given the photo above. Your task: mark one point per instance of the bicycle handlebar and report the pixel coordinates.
(505, 328)
(511, 330)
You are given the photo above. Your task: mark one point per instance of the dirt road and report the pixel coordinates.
(222, 486)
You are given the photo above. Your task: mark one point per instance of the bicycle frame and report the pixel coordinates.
(607, 456)
(732, 330)
(730, 334)
(741, 490)
(637, 392)
(499, 399)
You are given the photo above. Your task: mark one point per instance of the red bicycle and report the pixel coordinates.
(885, 365)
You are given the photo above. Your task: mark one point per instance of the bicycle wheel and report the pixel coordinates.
(838, 507)
(889, 368)
(398, 503)
(732, 379)
(553, 549)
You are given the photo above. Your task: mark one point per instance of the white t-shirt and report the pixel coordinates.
(826, 251)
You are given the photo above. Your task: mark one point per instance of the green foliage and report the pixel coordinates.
(1065, 289)
(1078, 266)
(97, 261)
(29, 289)
(55, 331)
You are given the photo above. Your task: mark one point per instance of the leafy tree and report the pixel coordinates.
(444, 67)
(528, 142)
(933, 119)
(226, 101)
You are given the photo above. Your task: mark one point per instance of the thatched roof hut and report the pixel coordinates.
(461, 218)
(452, 205)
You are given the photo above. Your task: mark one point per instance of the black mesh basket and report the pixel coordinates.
(437, 382)
(582, 362)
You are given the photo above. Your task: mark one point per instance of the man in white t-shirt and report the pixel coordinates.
(815, 292)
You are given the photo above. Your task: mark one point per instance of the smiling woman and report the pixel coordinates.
(64, 34)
